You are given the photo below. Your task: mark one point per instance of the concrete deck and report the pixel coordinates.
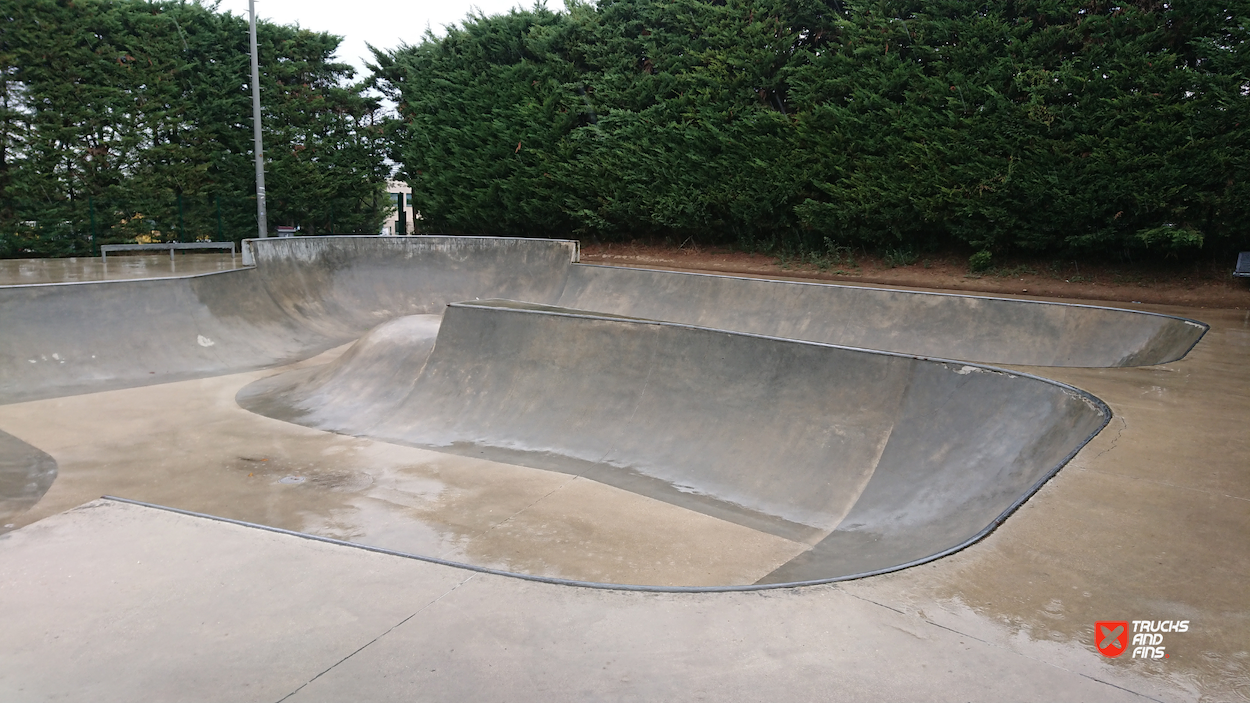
(113, 601)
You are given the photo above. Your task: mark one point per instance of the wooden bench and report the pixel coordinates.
(171, 246)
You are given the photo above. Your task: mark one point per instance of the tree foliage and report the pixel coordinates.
(1031, 125)
(136, 116)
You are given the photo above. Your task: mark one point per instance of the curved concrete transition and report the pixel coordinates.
(304, 296)
(736, 398)
(876, 460)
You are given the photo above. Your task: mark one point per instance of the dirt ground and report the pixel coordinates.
(1199, 285)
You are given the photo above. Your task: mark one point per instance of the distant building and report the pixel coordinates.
(401, 202)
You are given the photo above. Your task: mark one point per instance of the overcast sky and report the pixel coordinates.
(383, 23)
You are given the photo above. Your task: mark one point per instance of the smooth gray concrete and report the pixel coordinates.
(83, 337)
(304, 296)
(972, 328)
(188, 445)
(308, 294)
(383, 366)
(183, 612)
(876, 460)
(1143, 523)
(341, 287)
(115, 602)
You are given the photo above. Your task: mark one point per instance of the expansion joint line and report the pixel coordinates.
(375, 639)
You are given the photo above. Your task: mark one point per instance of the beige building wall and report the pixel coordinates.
(389, 227)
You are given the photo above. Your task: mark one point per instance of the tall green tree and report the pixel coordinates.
(125, 118)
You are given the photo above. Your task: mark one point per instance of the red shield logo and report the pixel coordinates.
(1111, 637)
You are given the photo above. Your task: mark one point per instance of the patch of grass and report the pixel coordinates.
(823, 259)
(1012, 272)
(901, 256)
(1057, 268)
(818, 260)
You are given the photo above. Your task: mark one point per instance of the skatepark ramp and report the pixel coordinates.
(304, 296)
(988, 330)
(830, 416)
(873, 460)
(308, 294)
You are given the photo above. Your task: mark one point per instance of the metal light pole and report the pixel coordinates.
(261, 225)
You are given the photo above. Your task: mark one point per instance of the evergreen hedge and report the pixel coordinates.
(1046, 126)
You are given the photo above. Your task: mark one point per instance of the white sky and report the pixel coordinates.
(383, 23)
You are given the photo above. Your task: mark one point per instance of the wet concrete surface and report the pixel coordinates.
(115, 602)
(873, 460)
(1147, 522)
(188, 445)
(115, 268)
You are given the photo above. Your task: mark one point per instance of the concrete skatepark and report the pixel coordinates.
(492, 403)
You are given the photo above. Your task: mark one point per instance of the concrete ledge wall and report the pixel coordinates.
(988, 330)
